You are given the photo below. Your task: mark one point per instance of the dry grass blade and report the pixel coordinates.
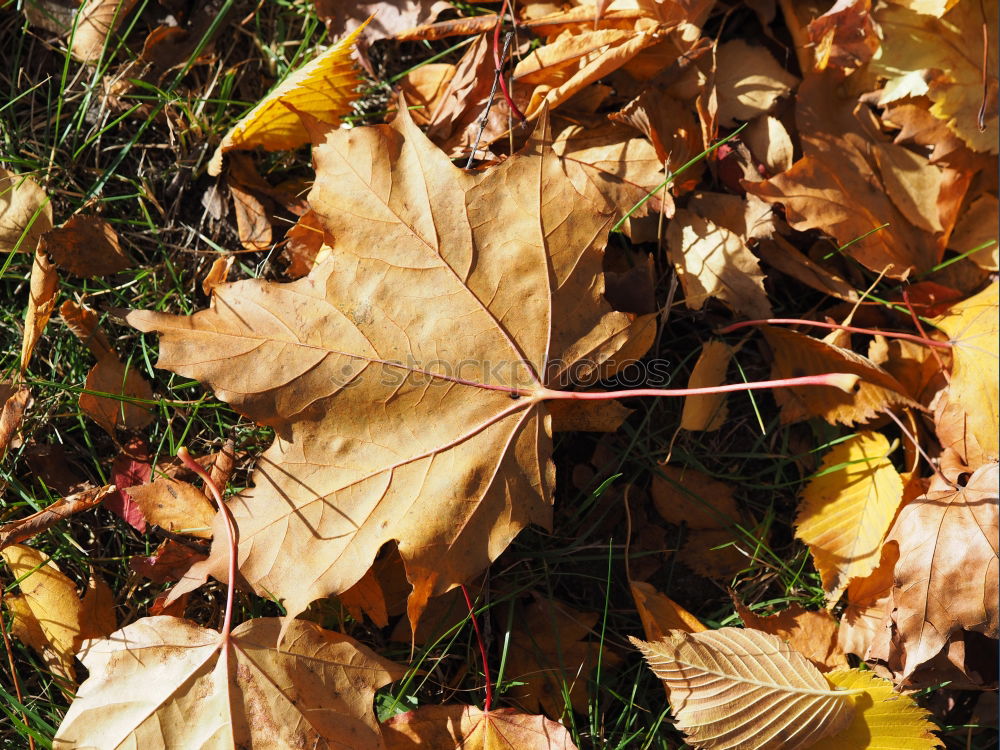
(740, 688)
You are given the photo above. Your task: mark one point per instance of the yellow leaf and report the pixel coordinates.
(968, 421)
(660, 614)
(741, 688)
(48, 615)
(847, 510)
(323, 88)
(883, 719)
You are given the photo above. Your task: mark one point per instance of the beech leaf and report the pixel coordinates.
(164, 682)
(738, 688)
(847, 508)
(389, 370)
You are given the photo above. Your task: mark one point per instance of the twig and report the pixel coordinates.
(482, 651)
(489, 104)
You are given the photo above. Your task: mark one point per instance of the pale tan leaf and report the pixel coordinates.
(883, 719)
(163, 682)
(713, 262)
(707, 413)
(847, 509)
(749, 81)
(96, 21)
(470, 728)
(25, 212)
(323, 88)
(769, 142)
(737, 688)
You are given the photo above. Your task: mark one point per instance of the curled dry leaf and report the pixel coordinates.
(48, 614)
(389, 370)
(796, 354)
(23, 529)
(847, 509)
(85, 246)
(707, 413)
(15, 401)
(736, 688)
(945, 579)
(25, 212)
(41, 301)
(217, 274)
(96, 21)
(175, 506)
(967, 420)
(660, 614)
(323, 88)
(470, 728)
(164, 682)
(845, 37)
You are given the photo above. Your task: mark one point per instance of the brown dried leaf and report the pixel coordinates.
(96, 21)
(945, 580)
(812, 634)
(41, 301)
(796, 354)
(737, 688)
(23, 529)
(660, 614)
(25, 212)
(470, 728)
(686, 496)
(845, 36)
(110, 376)
(316, 690)
(15, 401)
(175, 506)
(548, 651)
(867, 601)
(169, 562)
(82, 321)
(218, 274)
(85, 246)
(356, 365)
(388, 17)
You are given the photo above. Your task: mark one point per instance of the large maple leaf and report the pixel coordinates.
(406, 375)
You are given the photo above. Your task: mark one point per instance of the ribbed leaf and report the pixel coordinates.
(745, 689)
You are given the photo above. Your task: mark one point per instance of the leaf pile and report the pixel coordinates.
(469, 277)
